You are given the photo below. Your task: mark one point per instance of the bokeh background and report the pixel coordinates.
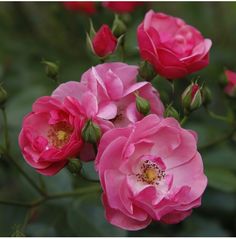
(30, 32)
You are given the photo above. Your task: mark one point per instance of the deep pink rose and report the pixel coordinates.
(104, 42)
(84, 102)
(87, 7)
(121, 7)
(150, 171)
(230, 88)
(174, 48)
(114, 85)
(50, 135)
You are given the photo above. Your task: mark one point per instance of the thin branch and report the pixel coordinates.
(88, 179)
(183, 121)
(6, 154)
(5, 127)
(37, 202)
(218, 117)
(27, 177)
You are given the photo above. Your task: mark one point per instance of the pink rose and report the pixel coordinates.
(150, 171)
(104, 42)
(174, 48)
(87, 7)
(121, 7)
(114, 85)
(50, 135)
(230, 88)
(83, 102)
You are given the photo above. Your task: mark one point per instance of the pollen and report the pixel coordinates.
(59, 134)
(150, 173)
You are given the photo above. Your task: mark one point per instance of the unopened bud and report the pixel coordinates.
(51, 69)
(91, 133)
(172, 112)
(3, 96)
(206, 96)
(191, 97)
(74, 166)
(118, 28)
(142, 105)
(146, 71)
(102, 43)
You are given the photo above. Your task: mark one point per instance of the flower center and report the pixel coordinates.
(59, 134)
(150, 173)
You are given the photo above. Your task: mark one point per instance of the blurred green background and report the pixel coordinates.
(30, 32)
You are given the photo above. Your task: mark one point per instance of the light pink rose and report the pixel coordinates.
(50, 135)
(114, 85)
(174, 48)
(150, 171)
(230, 88)
(84, 102)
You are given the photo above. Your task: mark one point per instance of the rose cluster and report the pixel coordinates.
(148, 165)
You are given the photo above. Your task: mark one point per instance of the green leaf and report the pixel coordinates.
(222, 179)
(86, 218)
(10, 217)
(41, 230)
(221, 156)
(198, 226)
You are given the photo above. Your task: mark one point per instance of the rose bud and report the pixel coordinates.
(91, 133)
(3, 96)
(142, 105)
(118, 28)
(51, 70)
(74, 166)
(191, 97)
(230, 88)
(171, 112)
(174, 48)
(146, 71)
(87, 7)
(103, 43)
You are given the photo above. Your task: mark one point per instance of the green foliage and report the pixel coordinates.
(221, 179)
(87, 212)
(31, 32)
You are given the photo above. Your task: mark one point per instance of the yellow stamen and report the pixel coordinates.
(150, 174)
(61, 135)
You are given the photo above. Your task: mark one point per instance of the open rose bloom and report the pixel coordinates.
(174, 48)
(50, 135)
(114, 85)
(150, 171)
